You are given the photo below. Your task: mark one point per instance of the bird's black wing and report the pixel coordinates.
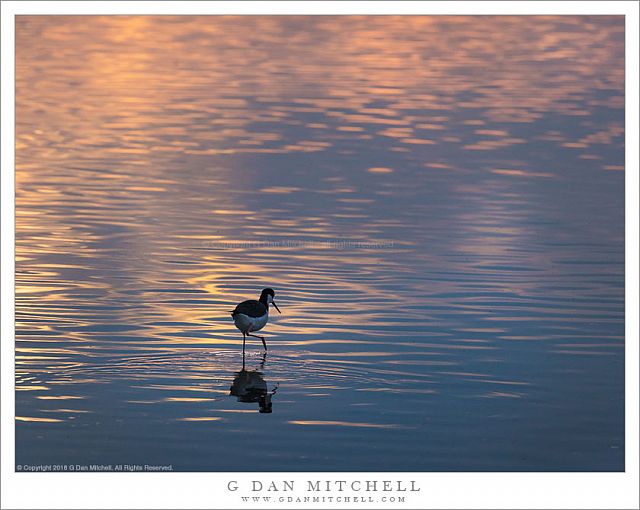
(251, 308)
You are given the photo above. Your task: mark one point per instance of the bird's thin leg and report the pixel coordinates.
(244, 339)
(261, 338)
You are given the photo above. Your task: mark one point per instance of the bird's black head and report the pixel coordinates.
(267, 292)
(266, 297)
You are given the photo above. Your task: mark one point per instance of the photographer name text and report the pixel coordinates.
(257, 486)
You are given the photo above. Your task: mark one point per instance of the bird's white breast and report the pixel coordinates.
(245, 323)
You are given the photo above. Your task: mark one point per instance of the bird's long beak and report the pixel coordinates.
(274, 304)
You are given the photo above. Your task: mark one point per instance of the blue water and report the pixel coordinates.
(438, 203)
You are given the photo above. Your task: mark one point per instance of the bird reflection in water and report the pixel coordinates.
(250, 386)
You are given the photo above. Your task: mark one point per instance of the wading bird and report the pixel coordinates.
(252, 315)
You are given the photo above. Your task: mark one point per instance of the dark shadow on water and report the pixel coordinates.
(249, 386)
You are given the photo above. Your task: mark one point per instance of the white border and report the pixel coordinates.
(208, 490)
(326, 7)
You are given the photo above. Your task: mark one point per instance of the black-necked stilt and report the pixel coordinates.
(253, 315)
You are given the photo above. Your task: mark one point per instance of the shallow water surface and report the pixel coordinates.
(438, 203)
